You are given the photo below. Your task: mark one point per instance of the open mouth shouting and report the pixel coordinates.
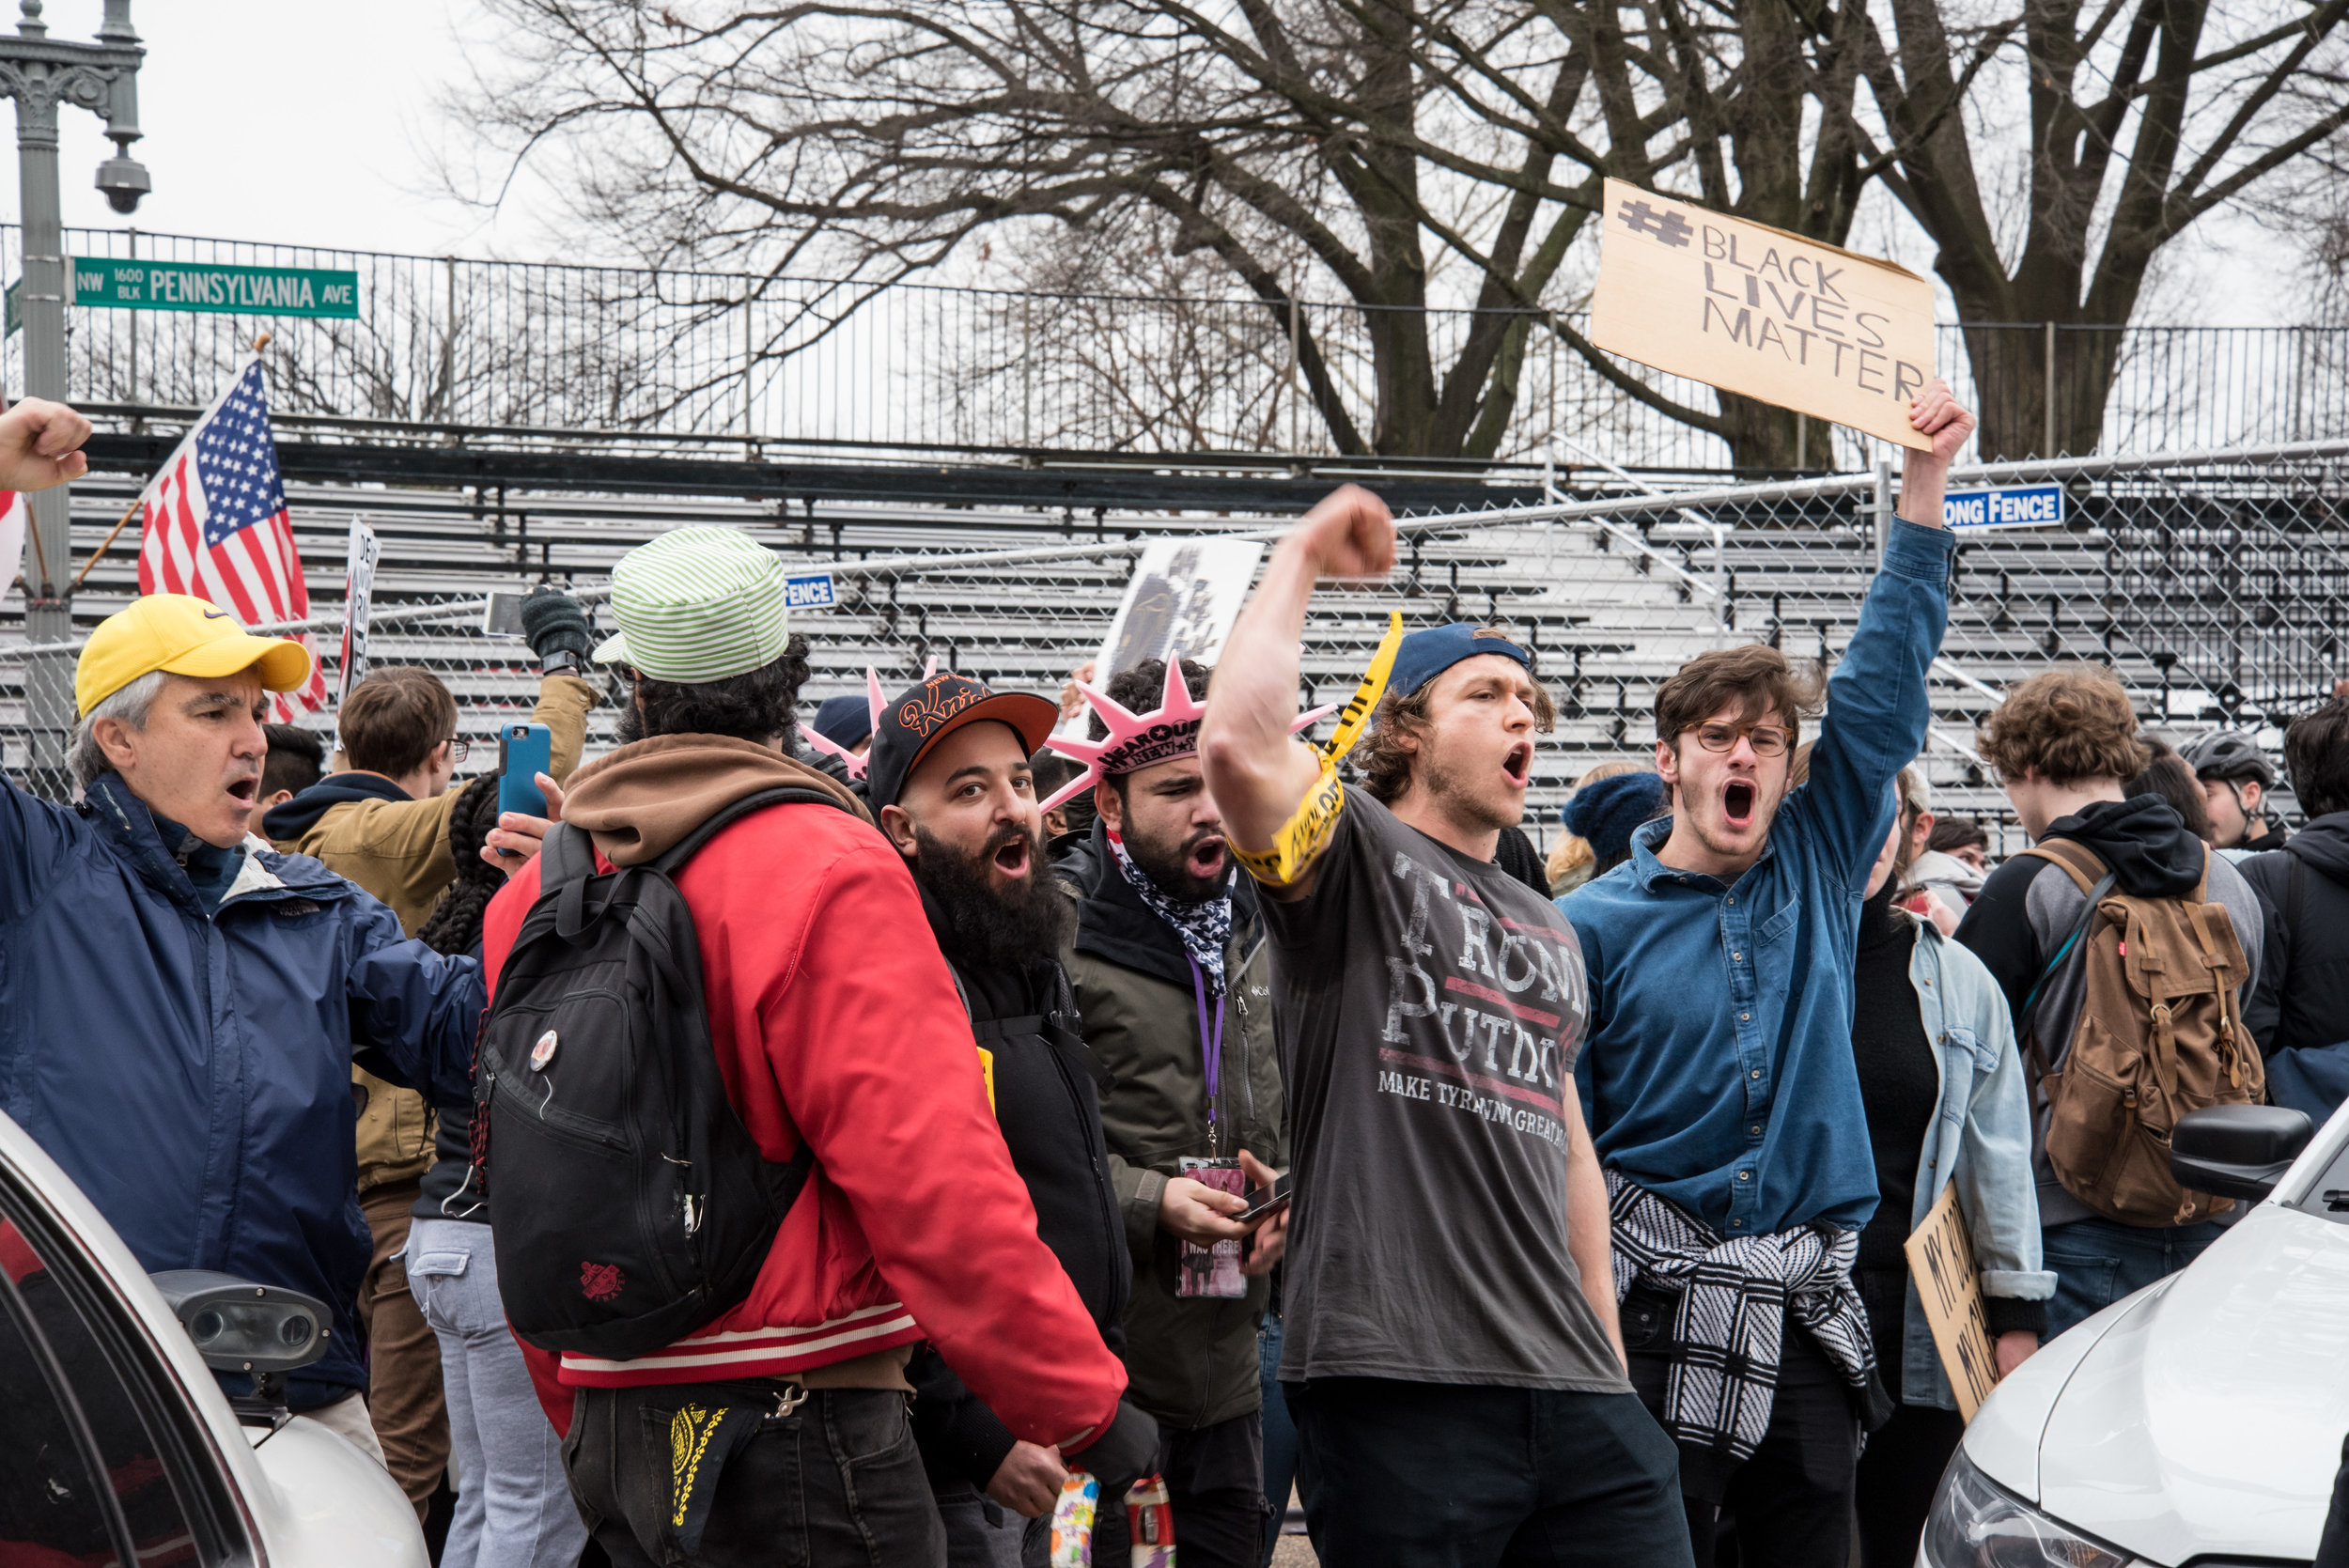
(1518, 764)
(244, 791)
(1737, 802)
(1014, 855)
(1204, 857)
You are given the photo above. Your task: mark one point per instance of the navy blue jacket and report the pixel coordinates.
(1717, 1071)
(191, 1074)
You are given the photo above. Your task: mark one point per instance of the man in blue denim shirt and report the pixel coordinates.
(1718, 1082)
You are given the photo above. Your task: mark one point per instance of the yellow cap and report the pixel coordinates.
(180, 635)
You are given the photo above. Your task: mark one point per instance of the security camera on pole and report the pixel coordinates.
(40, 73)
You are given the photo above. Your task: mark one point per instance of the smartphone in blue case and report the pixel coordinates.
(524, 752)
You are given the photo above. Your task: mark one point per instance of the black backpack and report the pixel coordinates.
(628, 1204)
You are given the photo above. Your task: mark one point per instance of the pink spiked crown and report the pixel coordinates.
(1139, 740)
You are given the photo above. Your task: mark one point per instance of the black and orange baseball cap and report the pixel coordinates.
(921, 716)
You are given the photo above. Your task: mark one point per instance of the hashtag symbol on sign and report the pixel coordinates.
(1639, 218)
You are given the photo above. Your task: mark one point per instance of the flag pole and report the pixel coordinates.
(107, 543)
(128, 512)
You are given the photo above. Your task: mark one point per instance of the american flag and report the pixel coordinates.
(216, 524)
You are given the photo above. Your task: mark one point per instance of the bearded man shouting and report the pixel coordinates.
(951, 786)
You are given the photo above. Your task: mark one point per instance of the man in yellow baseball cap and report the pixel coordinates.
(186, 1002)
(180, 635)
(172, 694)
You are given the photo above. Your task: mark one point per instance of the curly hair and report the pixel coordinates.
(1385, 752)
(1137, 690)
(2068, 725)
(760, 705)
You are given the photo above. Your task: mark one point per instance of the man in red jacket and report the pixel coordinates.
(829, 1026)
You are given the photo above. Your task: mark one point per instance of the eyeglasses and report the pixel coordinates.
(1768, 740)
(457, 749)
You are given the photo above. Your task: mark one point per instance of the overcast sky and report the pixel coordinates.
(298, 121)
(315, 122)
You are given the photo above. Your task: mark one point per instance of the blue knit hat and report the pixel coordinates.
(1429, 653)
(844, 720)
(1606, 812)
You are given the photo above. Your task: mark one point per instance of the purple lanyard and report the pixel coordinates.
(1211, 1047)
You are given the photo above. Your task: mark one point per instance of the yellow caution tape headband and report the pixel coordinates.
(1354, 718)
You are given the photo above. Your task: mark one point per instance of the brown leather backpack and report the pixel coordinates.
(2160, 1034)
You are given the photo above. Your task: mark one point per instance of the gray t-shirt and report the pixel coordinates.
(1430, 1009)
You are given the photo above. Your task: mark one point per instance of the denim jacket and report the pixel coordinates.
(1718, 1070)
(1980, 1139)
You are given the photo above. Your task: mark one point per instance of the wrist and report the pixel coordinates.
(561, 661)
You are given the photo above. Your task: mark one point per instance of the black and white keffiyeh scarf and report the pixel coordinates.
(1734, 1299)
(1204, 927)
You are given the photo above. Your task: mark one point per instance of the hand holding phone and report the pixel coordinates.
(1264, 1200)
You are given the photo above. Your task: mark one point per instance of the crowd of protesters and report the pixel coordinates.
(1008, 1029)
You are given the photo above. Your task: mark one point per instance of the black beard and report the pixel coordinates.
(1168, 866)
(981, 925)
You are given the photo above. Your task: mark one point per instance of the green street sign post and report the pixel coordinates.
(137, 283)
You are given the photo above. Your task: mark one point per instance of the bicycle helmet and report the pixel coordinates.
(2230, 756)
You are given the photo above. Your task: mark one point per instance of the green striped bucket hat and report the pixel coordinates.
(697, 605)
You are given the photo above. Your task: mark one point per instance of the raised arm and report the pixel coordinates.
(1878, 705)
(1256, 770)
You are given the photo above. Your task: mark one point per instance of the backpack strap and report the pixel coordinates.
(2080, 865)
(566, 855)
(669, 864)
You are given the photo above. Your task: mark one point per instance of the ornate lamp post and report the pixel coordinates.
(43, 73)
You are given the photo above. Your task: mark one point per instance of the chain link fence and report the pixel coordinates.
(446, 341)
(2212, 583)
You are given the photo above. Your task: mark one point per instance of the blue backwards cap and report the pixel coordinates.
(1426, 654)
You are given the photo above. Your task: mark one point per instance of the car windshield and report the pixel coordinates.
(2328, 1195)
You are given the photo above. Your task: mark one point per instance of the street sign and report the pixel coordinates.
(2008, 506)
(808, 591)
(137, 283)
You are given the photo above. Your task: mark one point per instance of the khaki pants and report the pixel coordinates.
(404, 1356)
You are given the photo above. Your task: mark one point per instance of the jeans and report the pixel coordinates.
(981, 1533)
(1899, 1474)
(2097, 1262)
(1792, 1498)
(1214, 1486)
(831, 1479)
(514, 1507)
(1432, 1475)
(1280, 1434)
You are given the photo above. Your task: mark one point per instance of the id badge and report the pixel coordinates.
(1213, 1271)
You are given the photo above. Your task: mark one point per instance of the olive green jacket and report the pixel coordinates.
(1191, 1361)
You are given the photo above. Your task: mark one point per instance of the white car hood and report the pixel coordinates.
(2209, 1416)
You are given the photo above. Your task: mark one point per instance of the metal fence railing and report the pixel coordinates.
(2211, 582)
(445, 340)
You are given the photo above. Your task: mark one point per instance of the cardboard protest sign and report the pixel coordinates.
(1941, 1259)
(1756, 310)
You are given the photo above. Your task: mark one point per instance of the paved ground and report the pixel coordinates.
(1294, 1551)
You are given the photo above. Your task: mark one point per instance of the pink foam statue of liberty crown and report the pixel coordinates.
(875, 702)
(1139, 740)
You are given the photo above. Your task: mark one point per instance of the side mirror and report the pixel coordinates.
(264, 1330)
(2237, 1151)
